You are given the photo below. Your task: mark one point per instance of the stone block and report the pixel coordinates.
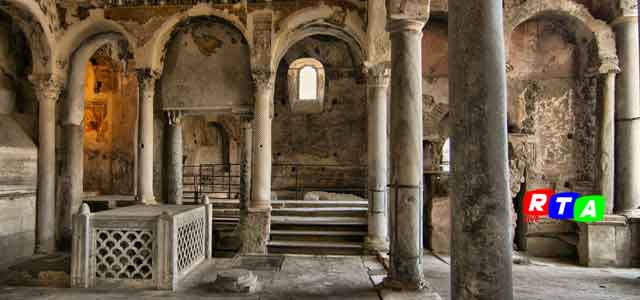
(549, 247)
(598, 244)
(254, 233)
(236, 281)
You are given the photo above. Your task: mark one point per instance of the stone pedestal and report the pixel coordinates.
(174, 155)
(481, 244)
(255, 230)
(377, 86)
(606, 243)
(405, 189)
(146, 87)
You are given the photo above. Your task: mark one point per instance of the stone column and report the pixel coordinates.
(72, 177)
(607, 137)
(174, 156)
(377, 86)
(146, 88)
(405, 193)
(627, 115)
(258, 219)
(48, 91)
(245, 162)
(481, 245)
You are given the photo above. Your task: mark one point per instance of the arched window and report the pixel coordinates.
(308, 83)
(446, 155)
(306, 86)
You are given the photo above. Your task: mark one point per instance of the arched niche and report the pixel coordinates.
(306, 85)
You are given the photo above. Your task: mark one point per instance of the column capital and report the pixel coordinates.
(408, 9)
(377, 75)
(263, 78)
(405, 25)
(174, 117)
(48, 87)
(625, 11)
(146, 76)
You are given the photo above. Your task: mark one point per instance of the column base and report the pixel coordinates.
(374, 244)
(256, 227)
(631, 214)
(415, 285)
(147, 200)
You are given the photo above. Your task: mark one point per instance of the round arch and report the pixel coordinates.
(74, 105)
(157, 47)
(602, 33)
(35, 25)
(317, 29)
(89, 32)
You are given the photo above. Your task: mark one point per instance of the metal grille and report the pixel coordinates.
(218, 181)
(191, 239)
(124, 254)
(295, 180)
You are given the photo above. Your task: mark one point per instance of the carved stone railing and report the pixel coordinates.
(139, 246)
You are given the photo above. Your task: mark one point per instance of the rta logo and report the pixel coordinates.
(562, 206)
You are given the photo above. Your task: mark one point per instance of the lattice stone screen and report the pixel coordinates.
(139, 246)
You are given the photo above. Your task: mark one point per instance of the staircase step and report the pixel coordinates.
(318, 235)
(321, 211)
(225, 212)
(225, 204)
(317, 203)
(317, 248)
(329, 221)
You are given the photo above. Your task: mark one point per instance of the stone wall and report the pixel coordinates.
(18, 152)
(551, 118)
(335, 136)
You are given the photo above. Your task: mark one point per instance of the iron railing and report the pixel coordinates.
(293, 181)
(218, 181)
(288, 180)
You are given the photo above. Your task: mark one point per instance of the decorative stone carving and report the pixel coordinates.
(263, 78)
(377, 75)
(48, 87)
(174, 117)
(408, 9)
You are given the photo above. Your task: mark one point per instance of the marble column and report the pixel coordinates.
(258, 217)
(405, 192)
(377, 98)
(72, 177)
(627, 117)
(245, 162)
(607, 139)
(146, 88)
(481, 244)
(48, 91)
(174, 156)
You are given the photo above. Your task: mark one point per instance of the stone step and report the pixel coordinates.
(317, 203)
(321, 212)
(225, 213)
(318, 223)
(316, 248)
(226, 204)
(318, 235)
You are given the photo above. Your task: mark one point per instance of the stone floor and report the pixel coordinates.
(322, 277)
